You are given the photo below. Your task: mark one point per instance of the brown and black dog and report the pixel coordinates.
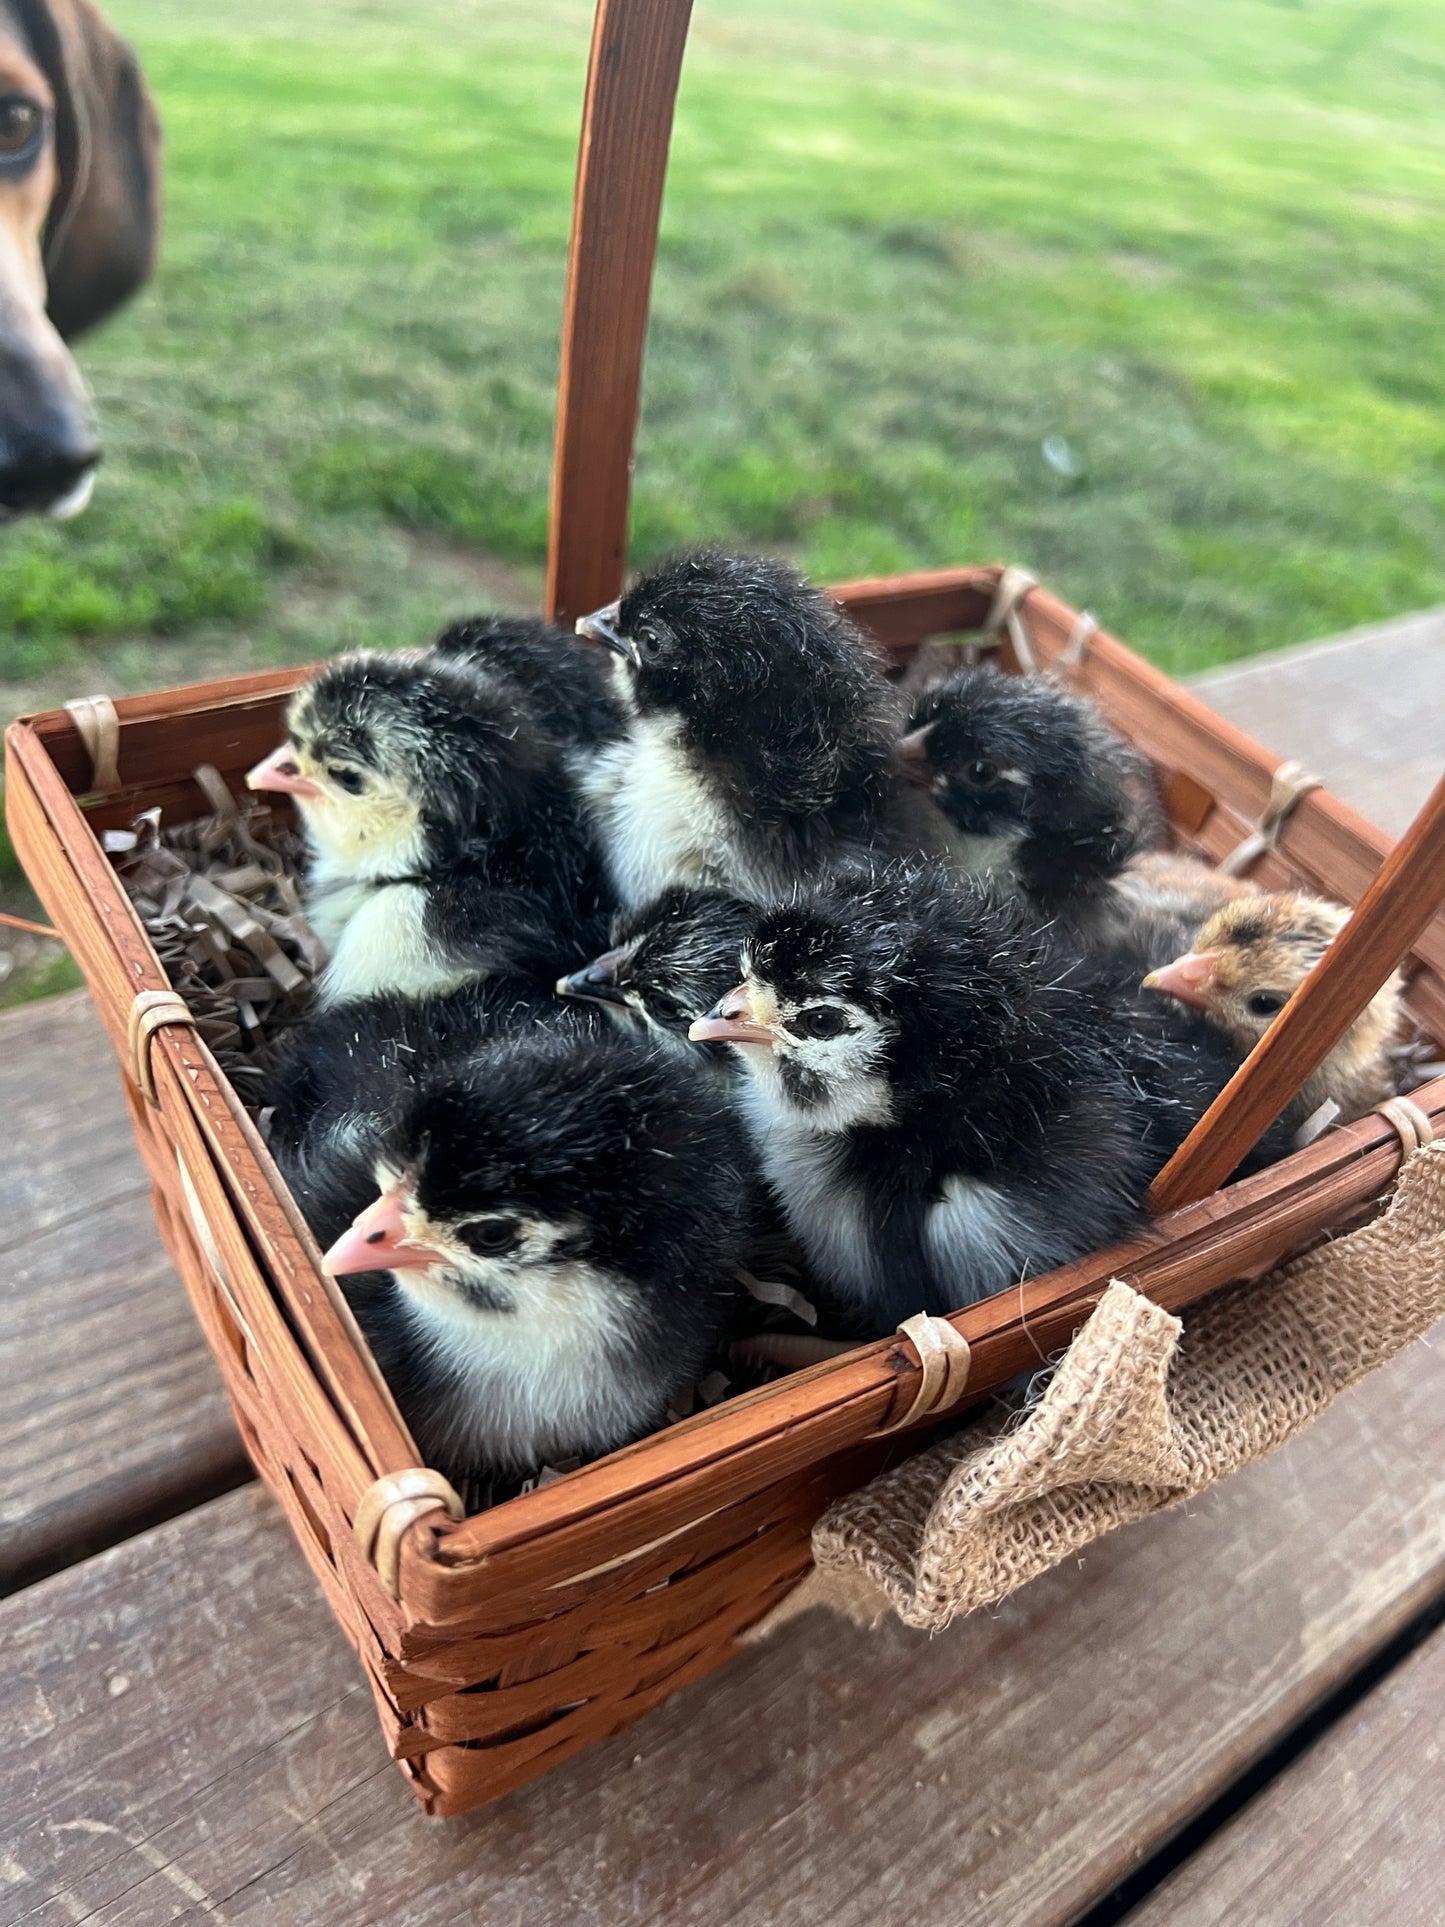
(79, 217)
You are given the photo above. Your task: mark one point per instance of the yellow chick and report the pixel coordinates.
(1246, 963)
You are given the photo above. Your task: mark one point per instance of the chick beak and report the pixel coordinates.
(597, 983)
(1189, 978)
(733, 1020)
(913, 754)
(600, 628)
(281, 771)
(377, 1241)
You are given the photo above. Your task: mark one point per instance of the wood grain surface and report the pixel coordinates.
(113, 1412)
(1331, 705)
(191, 1741)
(632, 75)
(1350, 1835)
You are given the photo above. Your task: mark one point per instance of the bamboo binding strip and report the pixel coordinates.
(1291, 782)
(99, 727)
(1071, 657)
(389, 1507)
(1006, 615)
(151, 1011)
(1413, 1124)
(945, 1358)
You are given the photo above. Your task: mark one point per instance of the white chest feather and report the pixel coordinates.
(543, 1380)
(825, 1213)
(377, 942)
(972, 1240)
(658, 822)
(984, 856)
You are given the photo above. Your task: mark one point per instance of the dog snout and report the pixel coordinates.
(40, 478)
(48, 450)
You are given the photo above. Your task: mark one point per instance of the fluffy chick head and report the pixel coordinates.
(1005, 755)
(889, 985)
(737, 643)
(669, 961)
(403, 761)
(549, 1170)
(1253, 954)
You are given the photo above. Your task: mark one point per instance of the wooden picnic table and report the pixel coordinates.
(1229, 1712)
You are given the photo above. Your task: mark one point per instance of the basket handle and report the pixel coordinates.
(632, 78)
(1394, 910)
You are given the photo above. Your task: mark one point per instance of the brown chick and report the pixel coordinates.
(1171, 884)
(1248, 960)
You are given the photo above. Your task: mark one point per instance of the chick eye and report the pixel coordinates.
(980, 773)
(22, 122)
(350, 780)
(649, 645)
(488, 1236)
(1264, 1003)
(823, 1020)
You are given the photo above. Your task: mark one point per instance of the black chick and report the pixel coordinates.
(757, 753)
(944, 1100)
(446, 840)
(351, 1068)
(559, 1222)
(668, 963)
(1039, 791)
(568, 694)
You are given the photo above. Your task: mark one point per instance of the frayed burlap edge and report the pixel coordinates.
(1136, 1418)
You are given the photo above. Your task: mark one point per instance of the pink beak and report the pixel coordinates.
(913, 753)
(1189, 979)
(731, 1021)
(279, 771)
(377, 1241)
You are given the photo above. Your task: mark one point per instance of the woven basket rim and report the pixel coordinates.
(868, 1384)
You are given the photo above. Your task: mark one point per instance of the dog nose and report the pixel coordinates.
(39, 476)
(48, 450)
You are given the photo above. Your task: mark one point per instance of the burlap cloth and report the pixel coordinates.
(1143, 1412)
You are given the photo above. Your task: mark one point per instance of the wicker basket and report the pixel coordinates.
(499, 1644)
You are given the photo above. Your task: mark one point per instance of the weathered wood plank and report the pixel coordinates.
(113, 1414)
(1011, 1769)
(1361, 710)
(1352, 1834)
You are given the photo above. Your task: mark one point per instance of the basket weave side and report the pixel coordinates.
(526, 1632)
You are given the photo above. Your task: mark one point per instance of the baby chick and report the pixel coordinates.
(568, 693)
(557, 1230)
(446, 841)
(1172, 884)
(944, 1101)
(757, 749)
(1245, 964)
(1037, 788)
(350, 1067)
(668, 964)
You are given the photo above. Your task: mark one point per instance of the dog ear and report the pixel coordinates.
(103, 226)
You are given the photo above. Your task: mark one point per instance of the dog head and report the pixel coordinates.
(79, 191)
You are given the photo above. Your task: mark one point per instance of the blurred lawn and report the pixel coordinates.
(902, 247)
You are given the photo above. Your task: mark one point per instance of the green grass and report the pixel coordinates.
(901, 248)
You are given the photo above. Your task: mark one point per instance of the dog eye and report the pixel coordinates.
(823, 1020)
(21, 123)
(1264, 1003)
(350, 780)
(488, 1236)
